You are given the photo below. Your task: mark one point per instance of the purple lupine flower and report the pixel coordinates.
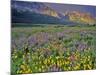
(83, 33)
(20, 42)
(47, 52)
(32, 40)
(72, 57)
(13, 46)
(64, 49)
(82, 46)
(42, 38)
(60, 34)
(54, 68)
(52, 36)
(45, 37)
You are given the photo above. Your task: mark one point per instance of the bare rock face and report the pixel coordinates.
(81, 17)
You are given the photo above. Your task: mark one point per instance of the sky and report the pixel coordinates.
(70, 7)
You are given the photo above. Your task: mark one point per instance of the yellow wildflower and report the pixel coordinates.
(67, 62)
(15, 56)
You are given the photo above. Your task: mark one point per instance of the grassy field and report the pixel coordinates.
(52, 49)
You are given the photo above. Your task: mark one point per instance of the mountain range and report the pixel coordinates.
(40, 13)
